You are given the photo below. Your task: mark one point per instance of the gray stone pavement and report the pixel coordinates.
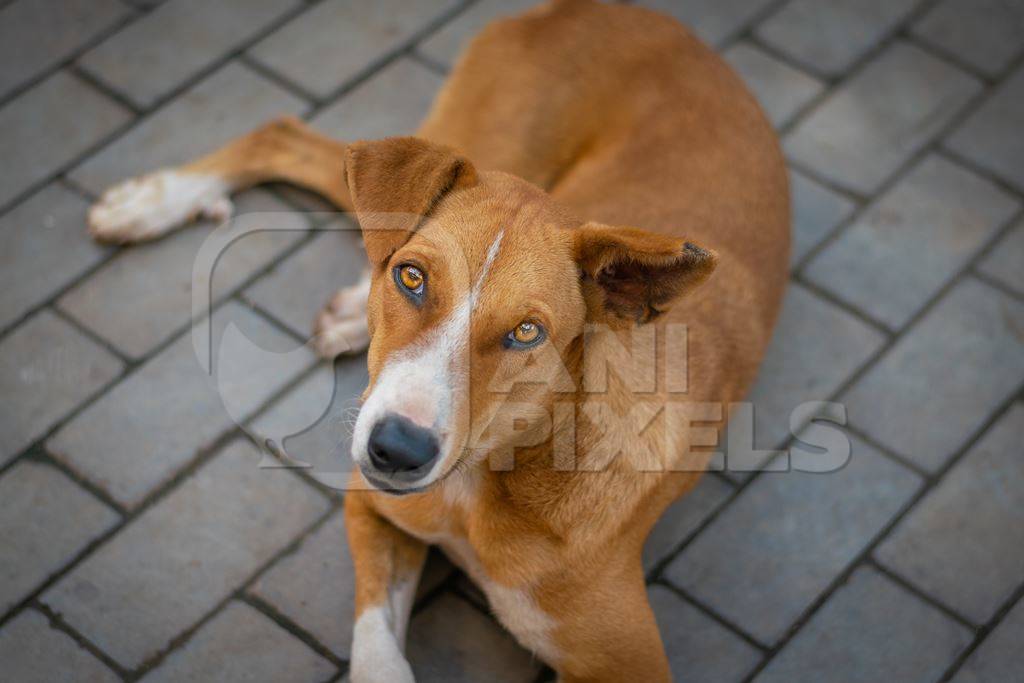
(138, 537)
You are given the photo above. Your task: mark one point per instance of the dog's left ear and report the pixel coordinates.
(640, 273)
(395, 182)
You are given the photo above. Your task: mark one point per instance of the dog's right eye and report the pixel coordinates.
(411, 280)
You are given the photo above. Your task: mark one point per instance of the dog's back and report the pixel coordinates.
(622, 114)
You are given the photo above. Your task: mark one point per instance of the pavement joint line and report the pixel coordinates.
(922, 491)
(272, 613)
(711, 612)
(983, 633)
(57, 623)
(923, 595)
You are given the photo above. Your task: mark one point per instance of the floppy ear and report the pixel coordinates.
(395, 182)
(640, 273)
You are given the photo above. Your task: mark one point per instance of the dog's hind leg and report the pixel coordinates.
(388, 563)
(285, 150)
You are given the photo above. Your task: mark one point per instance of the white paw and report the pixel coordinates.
(151, 205)
(341, 326)
(334, 335)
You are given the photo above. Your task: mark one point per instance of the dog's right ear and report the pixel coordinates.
(395, 182)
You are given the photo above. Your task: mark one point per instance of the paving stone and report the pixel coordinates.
(870, 630)
(964, 543)
(683, 517)
(43, 247)
(769, 555)
(781, 89)
(829, 37)
(47, 369)
(912, 240)
(315, 587)
(1006, 260)
(308, 50)
(452, 641)
(699, 649)
(445, 45)
(184, 555)
(66, 24)
(815, 348)
(45, 520)
(877, 119)
(32, 652)
(139, 434)
(393, 102)
(1000, 657)
(230, 102)
(941, 381)
(240, 644)
(176, 41)
(296, 290)
(314, 420)
(714, 21)
(987, 34)
(992, 137)
(143, 295)
(42, 133)
(817, 211)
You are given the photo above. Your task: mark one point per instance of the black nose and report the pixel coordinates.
(398, 445)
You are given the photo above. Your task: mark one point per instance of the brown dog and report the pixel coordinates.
(500, 269)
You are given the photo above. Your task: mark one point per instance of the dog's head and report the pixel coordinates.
(481, 288)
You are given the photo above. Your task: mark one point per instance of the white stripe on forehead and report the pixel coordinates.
(492, 254)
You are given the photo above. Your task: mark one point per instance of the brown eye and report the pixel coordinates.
(411, 278)
(526, 334)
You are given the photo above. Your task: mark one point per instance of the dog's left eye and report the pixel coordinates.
(410, 279)
(525, 335)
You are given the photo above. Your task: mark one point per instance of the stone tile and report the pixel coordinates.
(315, 587)
(699, 649)
(393, 102)
(230, 102)
(297, 288)
(138, 435)
(47, 369)
(870, 630)
(817, 211)
(314, 420)
(781, 89)
(683, 517)
(32, 652)
(987, 34)
(66, 24)
(1006, 260)
(714, 21)
(240, 644)
(908, 244)
(452, 641)
(941, 381)
(815, 348)
(184, 555)
(964, 543)
(309, 50)
(176, 41)
(829, 37)
(992, 137)
(446, 44)
(144, 295)
(880, 117)
(43, 247)
(1000, 657)
(42, 133)
(768, 556)
(45, 520)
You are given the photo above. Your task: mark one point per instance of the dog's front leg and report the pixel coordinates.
(387, 564)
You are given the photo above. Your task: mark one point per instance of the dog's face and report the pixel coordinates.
(481, 288)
